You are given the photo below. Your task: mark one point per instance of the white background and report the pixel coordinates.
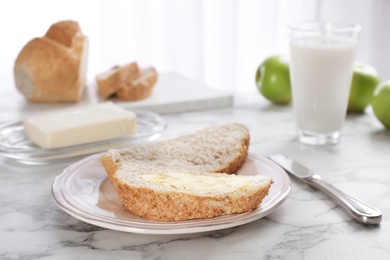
(217, 42)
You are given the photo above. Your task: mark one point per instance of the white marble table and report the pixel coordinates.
(306, 226)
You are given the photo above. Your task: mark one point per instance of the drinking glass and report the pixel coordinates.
(322, 56)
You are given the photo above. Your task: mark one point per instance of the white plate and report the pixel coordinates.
(83, 191)
(14, 143)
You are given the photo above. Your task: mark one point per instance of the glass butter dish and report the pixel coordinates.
(14, 143)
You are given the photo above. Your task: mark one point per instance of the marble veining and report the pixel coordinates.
(306, 226)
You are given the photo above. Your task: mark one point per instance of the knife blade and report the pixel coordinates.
(358, 210)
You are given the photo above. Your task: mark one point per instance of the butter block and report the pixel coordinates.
(80, 125)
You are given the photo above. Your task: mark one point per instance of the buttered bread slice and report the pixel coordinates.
(174, 196)
(187, 177)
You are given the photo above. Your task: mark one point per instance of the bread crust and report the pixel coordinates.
(52, 68)
(66, 32)
(236, 164)
(110, 166)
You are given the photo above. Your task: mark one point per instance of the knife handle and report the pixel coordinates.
(360, 211)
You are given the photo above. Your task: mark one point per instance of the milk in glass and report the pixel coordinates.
(321, 73)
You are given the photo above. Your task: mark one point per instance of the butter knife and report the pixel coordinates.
(360, 211)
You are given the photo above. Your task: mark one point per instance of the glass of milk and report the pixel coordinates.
(322, 56)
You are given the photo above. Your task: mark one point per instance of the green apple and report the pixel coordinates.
(381, 103)
(273, 79)
(365, 79)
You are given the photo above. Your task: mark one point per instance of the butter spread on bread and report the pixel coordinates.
(197, 183)
(53, 68)
(188, 177)
(83, 124)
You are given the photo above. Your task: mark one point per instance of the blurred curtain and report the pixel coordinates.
(217, 42)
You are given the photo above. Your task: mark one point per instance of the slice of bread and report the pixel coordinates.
(174, 196)
(117, 78)
(187, 177)
(140, 88)
(222, 148)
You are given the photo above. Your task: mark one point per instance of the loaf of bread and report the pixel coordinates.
(187, 177)
(53, 68)
(127, 82)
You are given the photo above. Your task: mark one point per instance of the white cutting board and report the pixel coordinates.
(174, 93)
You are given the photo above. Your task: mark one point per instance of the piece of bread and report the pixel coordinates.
(53, 68)
(187, 177)
(140, 88)
(175, 196)
(221, 148)
(117, 78)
